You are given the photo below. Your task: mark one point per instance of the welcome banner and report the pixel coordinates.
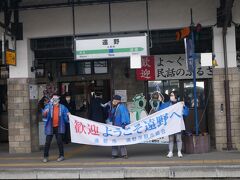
(160, 124)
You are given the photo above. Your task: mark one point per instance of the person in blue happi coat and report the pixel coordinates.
(173, 100)
(56, 116)
(119, 116)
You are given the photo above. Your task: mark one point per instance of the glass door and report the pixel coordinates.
(188, 98)
(165, 87)
(184, 89)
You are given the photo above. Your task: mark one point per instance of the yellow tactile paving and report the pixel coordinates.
(52, 157)
(73, 153)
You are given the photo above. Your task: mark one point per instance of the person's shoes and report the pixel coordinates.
(114, 157)
(170, 154)
(125, 157)
(61, 158)
(45, 159)
(180, 154)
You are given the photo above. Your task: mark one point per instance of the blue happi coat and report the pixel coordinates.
(63, 118)
(170, 103)
(120, 115)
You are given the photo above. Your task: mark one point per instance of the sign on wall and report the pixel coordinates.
(189, 53)
(174, 67)
(33, 91)
(11, 57)
(147, 72)
(110, 47)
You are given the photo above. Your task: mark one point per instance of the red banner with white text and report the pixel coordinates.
(147, 72)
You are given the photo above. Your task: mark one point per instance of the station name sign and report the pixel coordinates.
(110, 47)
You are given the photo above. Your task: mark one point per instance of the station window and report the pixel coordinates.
(83, 67)
(164, 41)
(4, 72)
(100, 67)
(40, 70)
(68, 69)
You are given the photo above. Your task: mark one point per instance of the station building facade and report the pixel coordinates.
(45, 55)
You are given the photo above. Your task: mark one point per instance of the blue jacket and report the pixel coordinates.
(120, 115)
(169, 103)
(63, 118)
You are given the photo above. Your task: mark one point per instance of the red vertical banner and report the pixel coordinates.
(147, 72)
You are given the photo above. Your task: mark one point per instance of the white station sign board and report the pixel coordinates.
(113, 47)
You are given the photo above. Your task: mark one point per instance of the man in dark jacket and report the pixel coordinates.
(96, 111)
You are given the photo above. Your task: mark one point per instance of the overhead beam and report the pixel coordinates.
(67, 4)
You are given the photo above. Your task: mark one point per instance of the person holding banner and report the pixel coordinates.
(56, 116)
(156, 101)
(119, 116)
(173, 100)
(96, 111)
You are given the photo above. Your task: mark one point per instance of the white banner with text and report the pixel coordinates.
(160, 124)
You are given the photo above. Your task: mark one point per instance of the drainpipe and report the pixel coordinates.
(146, 92)
(228, 9)
(227, 95)
(73, 25)
(111, 61)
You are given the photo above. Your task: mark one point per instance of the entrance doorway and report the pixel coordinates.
(81, 92)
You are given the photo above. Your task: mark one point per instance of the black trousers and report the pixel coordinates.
(59, 138)
(67, 133)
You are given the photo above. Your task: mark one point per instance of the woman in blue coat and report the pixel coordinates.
(173, 100)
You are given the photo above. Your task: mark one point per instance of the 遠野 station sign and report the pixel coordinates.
(111, 47)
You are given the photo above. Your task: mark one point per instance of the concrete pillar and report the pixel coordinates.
(22, 109)
(218, 89)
